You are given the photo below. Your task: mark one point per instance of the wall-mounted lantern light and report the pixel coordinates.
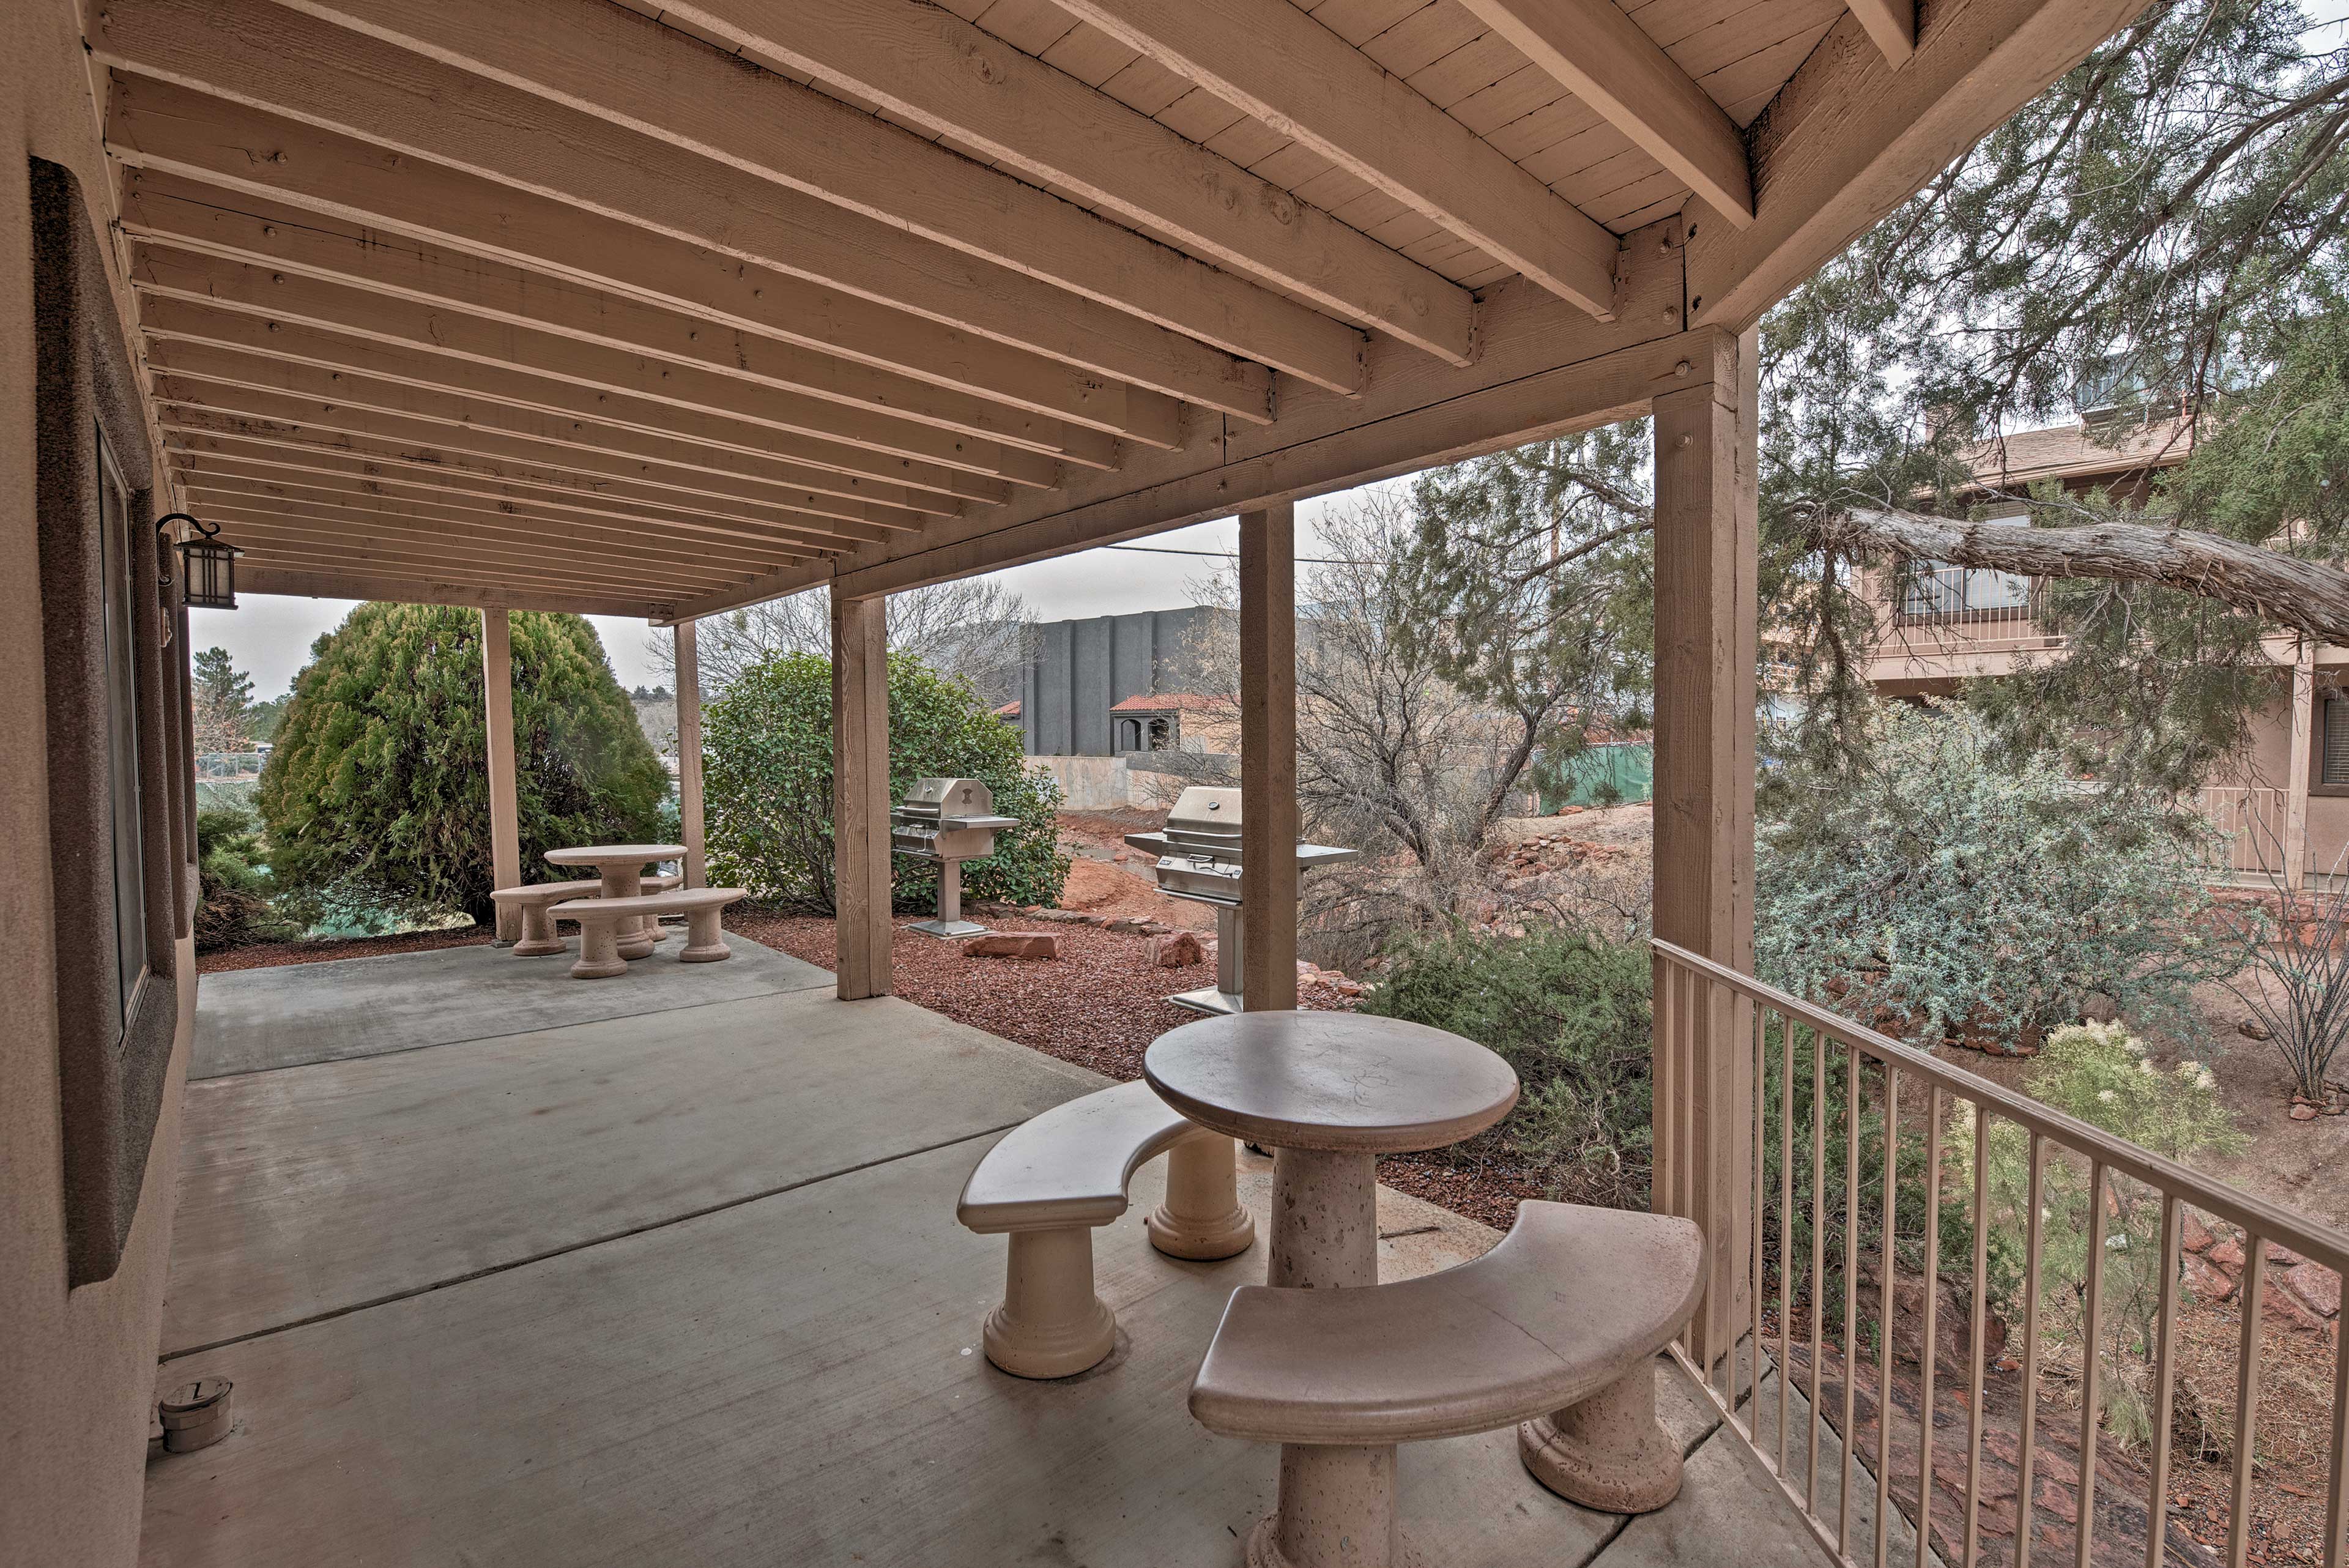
(209, 565)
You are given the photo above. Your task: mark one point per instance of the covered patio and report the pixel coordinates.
(686, 1286)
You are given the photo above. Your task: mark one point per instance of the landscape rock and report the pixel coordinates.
(1014, 944)
(2304, 1111)
(2228, 1255)
(2207, 1283)
(2251, 1029)
(1130, 926)
(1174, 950)
(2196, 1236)
(2098, 1008)
(2318, 1289)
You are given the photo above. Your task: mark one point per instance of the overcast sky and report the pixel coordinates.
(269, 636)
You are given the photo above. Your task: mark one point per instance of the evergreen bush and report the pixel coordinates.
(767, 784)
(233, 886)
(1570, 1013)
(377, 796)
(1952, 891)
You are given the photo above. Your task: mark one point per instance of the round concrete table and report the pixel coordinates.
(620, 869)
(1329, 1093)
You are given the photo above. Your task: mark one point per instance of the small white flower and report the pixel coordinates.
(2104, 1096)
(2145, 1067)
(2203, 1080)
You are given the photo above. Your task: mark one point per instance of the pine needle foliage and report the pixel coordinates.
(376, 796)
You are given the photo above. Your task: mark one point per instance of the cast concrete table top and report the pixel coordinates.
(1329, 1091)
(620, 868)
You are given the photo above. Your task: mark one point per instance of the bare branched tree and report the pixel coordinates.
(973, 627)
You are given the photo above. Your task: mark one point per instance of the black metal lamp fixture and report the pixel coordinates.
(209, 565)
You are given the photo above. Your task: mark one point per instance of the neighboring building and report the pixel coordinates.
(1948, 624)
(1073, 690)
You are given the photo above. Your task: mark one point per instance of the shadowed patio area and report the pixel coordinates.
(686, 1285)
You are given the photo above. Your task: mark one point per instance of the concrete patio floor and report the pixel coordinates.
(683, 1284)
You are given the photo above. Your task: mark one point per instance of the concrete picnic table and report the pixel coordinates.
(619, 867)
(1329, 1093)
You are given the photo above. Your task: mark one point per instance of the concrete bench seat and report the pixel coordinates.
(602, 952)
(1050, 1180)
(1554, 1328)
(538, 936)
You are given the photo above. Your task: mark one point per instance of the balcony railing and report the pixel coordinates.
(1956, 596)
(2249, 824)
(1805, 1178)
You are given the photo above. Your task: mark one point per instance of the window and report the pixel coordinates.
(2333, 761)
(119, 580)
(1937, 588)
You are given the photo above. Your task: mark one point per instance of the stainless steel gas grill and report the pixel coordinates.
(1199, 858)
(949, 821)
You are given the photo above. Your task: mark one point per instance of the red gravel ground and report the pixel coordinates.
(269, 955)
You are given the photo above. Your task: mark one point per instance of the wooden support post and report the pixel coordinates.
(688, 756)
(1269, 758)
(1705, 641)
(859, 795)
(505, 833)
(2294, 849)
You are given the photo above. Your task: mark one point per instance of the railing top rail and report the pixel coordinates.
(2312, 1239)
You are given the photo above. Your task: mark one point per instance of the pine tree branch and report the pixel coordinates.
(2308, 596)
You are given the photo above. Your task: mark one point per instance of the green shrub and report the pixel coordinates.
(2099, 1073)
(232, 887)
(1570, 1013)
(1958, 891)
(377, 796)
(767, 784)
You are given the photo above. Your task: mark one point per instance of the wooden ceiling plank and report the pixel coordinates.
(314, 457)
(428, 588)
(185, 320)
(919, 487)
(223, 408)
(1892, 24)
(1299, 78)
(170, 211)
(930, 69)
(432, 456)
(605, 61)
(161, 271)
(302, 69)
(328, 542)
(1601, 57)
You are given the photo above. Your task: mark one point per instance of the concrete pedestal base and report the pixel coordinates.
(636, 944)
(705, 937)
(601, 952)
(1337, 1510)
(1051, 1323)
(1325, 1223)
(1201, 1218)
(1608, 1452)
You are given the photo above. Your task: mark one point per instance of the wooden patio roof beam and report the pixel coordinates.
(258, 533)
(1892, 24)
(219, 375)
(930, 69)
(297, 66)
(184, 320)
(218, 408)
(201, 426)
(293, 297)
(164, 210)
(606, 60)
(394, 496)
(1278, 64)
(431, 589)
(1591, 48)
(315, 458)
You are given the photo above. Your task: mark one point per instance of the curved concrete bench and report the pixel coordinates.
(538, 937)
(1050, 1180)
(1554, 1328)
(603, 952)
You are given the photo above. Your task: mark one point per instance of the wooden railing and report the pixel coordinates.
(1828, 1182)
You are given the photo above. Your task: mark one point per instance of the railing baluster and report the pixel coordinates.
(1931, 1326)
(2247, 1396)
(1753, 1299)
(1785, 1231)
(1818, 1247)
(2164, 1346)
(1850, 1292)
(2336, 1500)
(2092, 1361)
(2023, 1522)
(1977, 1377)
(1664, 1156)
(1891, 1269)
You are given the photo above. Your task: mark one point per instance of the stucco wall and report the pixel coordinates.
(78, 1366)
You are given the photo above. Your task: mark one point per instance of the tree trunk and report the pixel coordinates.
(2306, 596)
